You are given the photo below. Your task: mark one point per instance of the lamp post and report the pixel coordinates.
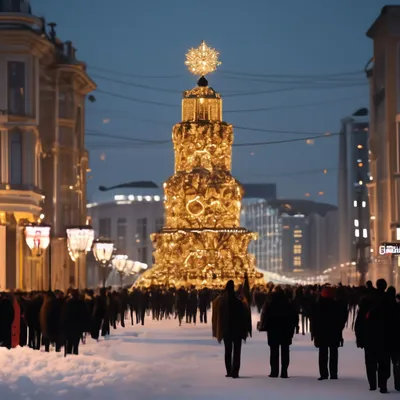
(119, 263)
(103, 252)
(80, 240)
(37, 237)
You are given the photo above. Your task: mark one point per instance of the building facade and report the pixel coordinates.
(259, 217)
(294, 236)
(294, 243)
(127, 218)
(384, 140)
(43, 159)
(323, 241)
(353, 177)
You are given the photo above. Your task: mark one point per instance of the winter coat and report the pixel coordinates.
(6, 319)
(230, 319)
(328, 320)
(377, 323)
(49, 318)
(279, 318)
(73, 319)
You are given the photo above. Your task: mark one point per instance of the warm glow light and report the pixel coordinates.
(202, 242)
(80, 240)
(37, 237)
(103, 251)
(202, 60)
(119, 262)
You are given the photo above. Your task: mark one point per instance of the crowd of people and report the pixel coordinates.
(64, 320)
(325, 311)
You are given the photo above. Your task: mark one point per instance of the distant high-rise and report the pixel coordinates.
(294, 243)
(352, 179)
(259, 216)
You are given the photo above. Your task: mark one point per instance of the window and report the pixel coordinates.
(105, 228)
(65, 104)
(78, 127)
(297, 233)
(142, 255)
(159, 224)
(121, 235)
(16, 87)
(297, 261)
(141, 228)
(297, 249)
(15, 157)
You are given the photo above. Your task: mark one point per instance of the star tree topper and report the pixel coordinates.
(202, 60)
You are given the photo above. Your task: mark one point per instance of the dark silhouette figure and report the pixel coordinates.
(376, 328)
(6, 319)
(279, 318)
(231, 323)
(328, 319)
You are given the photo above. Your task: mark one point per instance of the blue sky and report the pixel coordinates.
(148, 39)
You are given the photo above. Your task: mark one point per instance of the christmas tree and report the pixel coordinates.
(202, 242)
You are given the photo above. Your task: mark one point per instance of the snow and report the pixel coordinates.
(164, 361)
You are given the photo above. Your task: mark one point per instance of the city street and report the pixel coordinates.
(164, 361)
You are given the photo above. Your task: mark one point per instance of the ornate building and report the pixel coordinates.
(43, 160)
(202, 241)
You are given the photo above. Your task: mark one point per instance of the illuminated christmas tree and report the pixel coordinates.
(202, 242)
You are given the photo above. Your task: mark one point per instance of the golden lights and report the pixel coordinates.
(202, 242)
(202, 60)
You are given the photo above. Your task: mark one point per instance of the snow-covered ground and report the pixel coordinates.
(164, 361)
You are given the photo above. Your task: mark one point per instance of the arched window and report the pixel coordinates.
(15, 157)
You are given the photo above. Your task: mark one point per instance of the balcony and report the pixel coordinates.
(20, 199)
(9, 121)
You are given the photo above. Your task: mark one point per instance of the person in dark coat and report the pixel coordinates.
(328, 319)
(49, 318)
(23, 334)
(231, 323)
(32, 312)
(73, 322)
(98, 314)
(279, 318)
(181, 303)
(395, 350)
(376, 328)
(204, 304)
(6, 319)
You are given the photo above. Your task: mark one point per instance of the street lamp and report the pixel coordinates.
(80, 240)
(119, 263)
(103, 252)
(37, 237)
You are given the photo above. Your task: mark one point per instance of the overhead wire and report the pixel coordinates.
(246, 144)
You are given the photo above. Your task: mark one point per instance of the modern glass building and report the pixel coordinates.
(259, 217)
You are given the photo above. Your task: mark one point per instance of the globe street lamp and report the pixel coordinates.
(37, 237)
(103, 251)
(119, 263)
(79, 240)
